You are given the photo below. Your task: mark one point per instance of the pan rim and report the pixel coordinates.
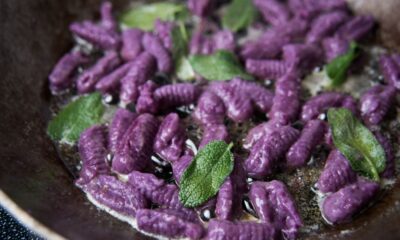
(26, 219)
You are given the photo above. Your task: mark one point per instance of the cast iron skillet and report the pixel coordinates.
(34, 184)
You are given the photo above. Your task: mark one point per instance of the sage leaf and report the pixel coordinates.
(180, 41)
(238, 15)
(75, 118)
(184, 69)
(144, 16)
(206, 173)
(357, 143)
(337, 68)
(222, 65)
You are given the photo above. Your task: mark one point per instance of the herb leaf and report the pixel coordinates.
(76, 117)
(184, 69)
(180, 41)
(239, 14)
(357, 143)
(144, 16)
(222, 65)
(337, 68)
(206, 173)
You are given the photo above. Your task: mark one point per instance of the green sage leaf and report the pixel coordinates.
(357, 143)
(337, 68)
(144, 16)
(239, 15)
(76, 117)
(184, 69)
(222, 65)
(206, 173)
(180, 41)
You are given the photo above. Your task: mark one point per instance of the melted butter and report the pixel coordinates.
(316, 82)
(355, 84)
(299, 182)
(249, 218)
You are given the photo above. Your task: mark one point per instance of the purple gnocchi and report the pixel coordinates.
(220, 40)
(180, 166)
(258, 195)
(214, 133)
(390, 69)
(87, 80)
(119, 125)
(270, 44)
(146, 103)
(321, 103)
(300, 152)
(340, 206)
(230, 194)
(275, 206)
(261, 97)
(111, 82)
(163, 30)
(375, 103)
(308, 9)
(166, 195)
(351, 104)
(159, 192)
(210, 109)
(273, 11)
(134, 150)
(145, 182)
(269, 69)
(238, 175)
(228, 201)
(176, 95)
(96, 35)
(286, 102)
(116, 195)
(302, 57)
(227, 230)
(238, 106)
(131, 44)
(336, 174)
(294, 30)
(356, 28)
(199, 44)
(328, 140)
(108, 21)
(223, 40)
(170, 139)
(264, 155)
(334, 47)
(167, 224)
(265, 47)
(180, 214)
(142, 69)
(92, 151)
(153, 45)
(390, 169)
(61, 76)
(257, 132)
(325, 25)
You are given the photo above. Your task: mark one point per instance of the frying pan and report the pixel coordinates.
(34, 184)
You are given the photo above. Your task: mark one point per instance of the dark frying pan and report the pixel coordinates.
(34, 184)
